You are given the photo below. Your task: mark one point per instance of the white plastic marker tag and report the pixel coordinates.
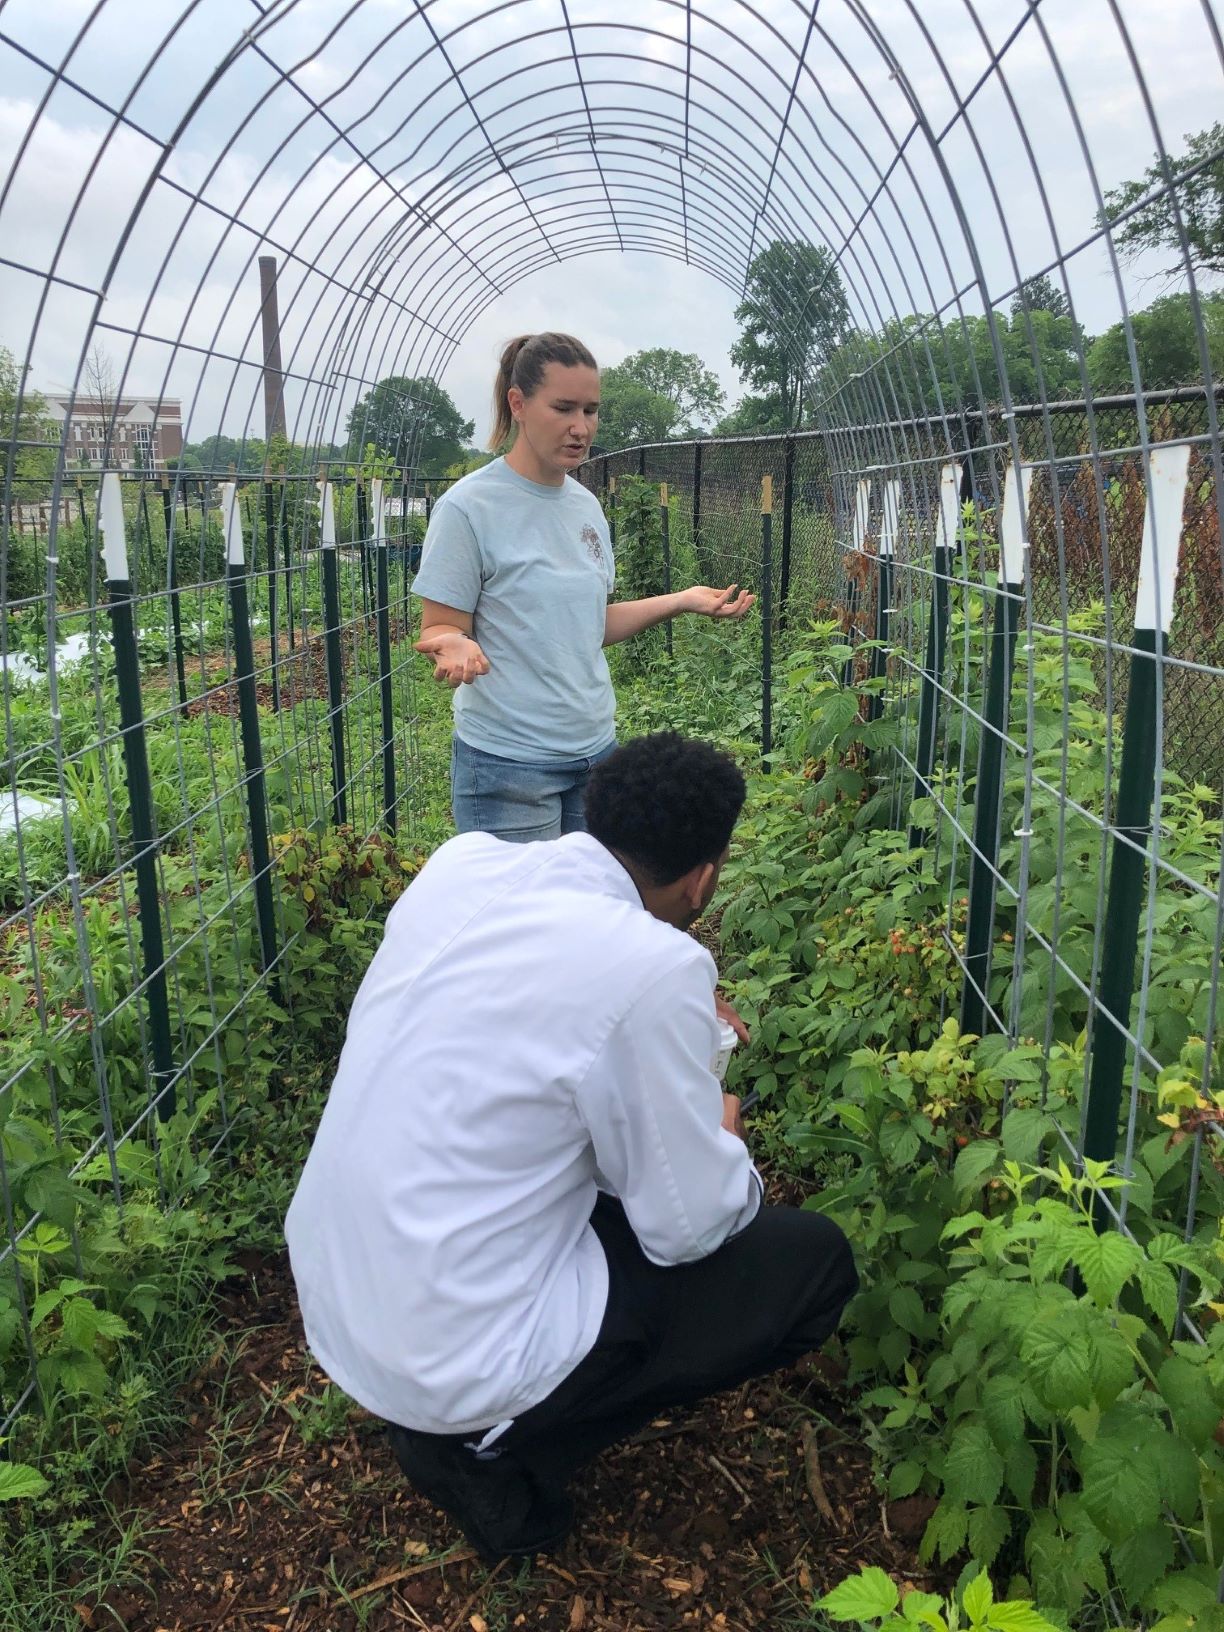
(1013, 538)
(327, 536)
(891, 518)
(231, 521)
(949, 507)
(862, 508)
(1162, 522)
(377, 516)
(114, 531)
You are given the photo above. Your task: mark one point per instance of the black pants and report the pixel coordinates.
(671, 1336)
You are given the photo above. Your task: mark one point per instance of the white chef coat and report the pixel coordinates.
(525, 1026)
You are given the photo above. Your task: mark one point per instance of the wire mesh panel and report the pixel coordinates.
(1098, 549)
(972, 251)
(146, 932)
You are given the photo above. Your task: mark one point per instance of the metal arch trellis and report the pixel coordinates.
(455, 149)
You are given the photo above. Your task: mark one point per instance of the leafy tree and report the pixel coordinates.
(216, 454)
(1166, 345)
(630, 412)
(1040, 294)
(657, 394)
(916, 366)
(1199, 199)
(412, 421)
(793, 316)
(32, 469)
(754, 416)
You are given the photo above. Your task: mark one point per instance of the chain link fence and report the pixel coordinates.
(1085, 519)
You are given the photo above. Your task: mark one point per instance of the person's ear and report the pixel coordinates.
(697, 885)
(515, 400)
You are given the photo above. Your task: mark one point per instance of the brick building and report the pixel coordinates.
(146, 433)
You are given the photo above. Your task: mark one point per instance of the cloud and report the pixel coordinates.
(330, 126)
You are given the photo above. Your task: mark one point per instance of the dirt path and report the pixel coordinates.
(282, 1510)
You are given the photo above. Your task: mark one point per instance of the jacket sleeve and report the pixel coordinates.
(653, 1108)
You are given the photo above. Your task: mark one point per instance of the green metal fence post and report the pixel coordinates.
(1167, 470)
(948, 532)
(788, 513)
(885, 556)
(331, 649)
(286, 555)
(858, 537)
(269, 498)
(362, 519)
(996, 713)
(248, 719)
(148, 528)
(140, 791)
(176, 616)
(665, 526)
(383, 611)
(766, 616)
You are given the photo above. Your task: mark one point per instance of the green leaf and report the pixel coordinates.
(1106, 1261)
(1073, 1357)
(1139, 1560)
(989, 1528)
(1020, 1461)
(973, 1164)
(899, 1143)
(905, 1307)
(973, 1468)
(924, 1609)
(867, 1596)
(978, 1595)
(904, 1479)
(1022, 1133)
(1178, 1472)
(1187, 1392)
(945, 1531)
(1002, 1410)
(1121, 1487)
(1018, 1615)
(1158, 1285)
(80, 1323)
(81, 1374)
(18, 1481)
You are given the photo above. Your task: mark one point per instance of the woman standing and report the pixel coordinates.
(515, 580)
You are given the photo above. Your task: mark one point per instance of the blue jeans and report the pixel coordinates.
(517, 801)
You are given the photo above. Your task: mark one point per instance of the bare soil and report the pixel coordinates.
(282, 1510)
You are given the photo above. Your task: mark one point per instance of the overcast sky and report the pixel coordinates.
(223, 156)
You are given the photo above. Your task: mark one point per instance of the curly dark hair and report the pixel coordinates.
(666, 803)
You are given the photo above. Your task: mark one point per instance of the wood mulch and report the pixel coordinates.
(281, 1510)
(302, 669)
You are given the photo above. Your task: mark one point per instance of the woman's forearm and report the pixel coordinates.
(624, 619)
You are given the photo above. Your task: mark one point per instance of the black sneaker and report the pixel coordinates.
(495, 1501)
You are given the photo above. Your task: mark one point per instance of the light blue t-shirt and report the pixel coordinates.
(533, 565)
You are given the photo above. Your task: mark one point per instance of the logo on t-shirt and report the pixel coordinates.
(591, 539)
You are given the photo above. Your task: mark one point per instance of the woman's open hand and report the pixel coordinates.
(457, 659)
(732, 602)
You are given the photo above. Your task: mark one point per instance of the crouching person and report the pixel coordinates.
(529, 1220)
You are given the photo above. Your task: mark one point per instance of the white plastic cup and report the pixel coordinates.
(727, 1039)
